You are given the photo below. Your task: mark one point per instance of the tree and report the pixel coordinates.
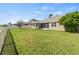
(9, 23)
(50, 15)
(3, 25)
(19, 23)
(70, 21)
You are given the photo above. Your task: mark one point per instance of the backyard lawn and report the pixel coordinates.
(41, 42)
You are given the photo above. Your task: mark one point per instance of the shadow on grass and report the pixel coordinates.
(9, 47)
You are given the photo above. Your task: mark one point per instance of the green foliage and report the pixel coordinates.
(4, 25)
(70, 21)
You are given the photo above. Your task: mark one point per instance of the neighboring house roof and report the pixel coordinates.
(32, 22)
(52, 19)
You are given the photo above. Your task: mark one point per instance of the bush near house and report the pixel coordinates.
(70, 21)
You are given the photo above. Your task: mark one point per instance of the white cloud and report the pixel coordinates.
(46, 8)
(14, 19)
(56, 4)
(34, 15)
(72, 8)
(38, 12)
(58, 13)
(51, 8)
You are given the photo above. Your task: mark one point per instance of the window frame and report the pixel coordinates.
(54, 24)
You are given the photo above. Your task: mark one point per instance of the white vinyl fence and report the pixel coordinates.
(2, 36)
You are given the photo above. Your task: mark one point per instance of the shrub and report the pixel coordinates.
(70, 21)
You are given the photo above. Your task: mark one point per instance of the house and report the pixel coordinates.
(30, 24)
(51, 23)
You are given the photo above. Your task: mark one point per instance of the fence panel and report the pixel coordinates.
(2, 37)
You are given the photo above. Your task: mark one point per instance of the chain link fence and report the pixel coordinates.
(2, 37)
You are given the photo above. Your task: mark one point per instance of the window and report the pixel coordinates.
(46, 25)
(54, 24)
(36, 25)
(33, 25)
(25, 24)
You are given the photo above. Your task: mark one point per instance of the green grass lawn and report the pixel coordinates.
(37, 42)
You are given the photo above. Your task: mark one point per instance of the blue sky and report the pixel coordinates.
(14, 12)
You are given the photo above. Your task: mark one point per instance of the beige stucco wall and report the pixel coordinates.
(34, 26)
(58, 27)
